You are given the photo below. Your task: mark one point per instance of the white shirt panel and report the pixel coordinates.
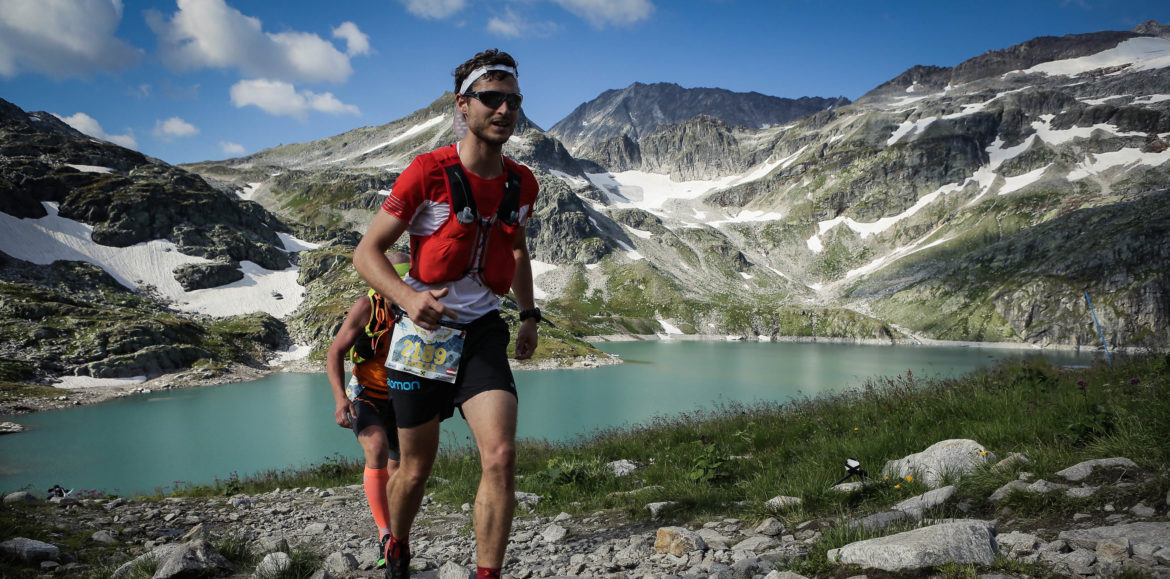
(429, 217)
(467, 298)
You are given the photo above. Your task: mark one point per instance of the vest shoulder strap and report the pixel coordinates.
(463, 200)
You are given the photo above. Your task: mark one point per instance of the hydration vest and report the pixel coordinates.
(468, 243)
(377, 336)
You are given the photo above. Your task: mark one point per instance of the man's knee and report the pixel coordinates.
(499, 459)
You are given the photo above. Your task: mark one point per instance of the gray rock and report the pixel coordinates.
(316, 529)
(770, 527)
(757, 544)
(678, 541)
(1017, 543)
(151, 558)
(340, 562)
(272, 565)
(1079, 562)
(1011, 461)
(270, 544)
(452, 570)
(784, 575)
(527, 500)
(1080, 471)
(10, 428)
(1080, 492)
(193, 559)
(1042, 486)
(622, 467)
(656, 509)
(849, 487)
(1142, 510)
(104, 537)
(21, 497)
(1002, 492)
(714, 539)
(29, 550)
(962, 542)
(916, 506)
(782, 502)
(879, 521)
(953, 458)
(1144, 537)
(1116, 549)
(554, 533)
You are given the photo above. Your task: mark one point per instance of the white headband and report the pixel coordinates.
(475, 74)
(459, 123)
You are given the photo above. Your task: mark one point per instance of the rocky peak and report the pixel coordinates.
(1153, 28)
(640, 109)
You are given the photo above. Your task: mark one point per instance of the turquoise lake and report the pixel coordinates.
(138, 444)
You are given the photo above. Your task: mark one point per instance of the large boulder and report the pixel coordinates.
(949, 458)
(29, 550)
(962, 542)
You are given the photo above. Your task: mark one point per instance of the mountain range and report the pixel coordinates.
(991, 201)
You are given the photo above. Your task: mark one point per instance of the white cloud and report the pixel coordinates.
(281, 98)
(434, 9)
(211, 34)
(602, 12)
(356, 41)
(174, 127)
(61, 38)
(91, 127)
(514, 26)
(230, 148)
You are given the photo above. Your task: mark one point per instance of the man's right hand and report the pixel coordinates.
(425, 309)
(342, 413)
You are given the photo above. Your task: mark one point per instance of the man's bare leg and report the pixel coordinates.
(417, 447)
(491, 416)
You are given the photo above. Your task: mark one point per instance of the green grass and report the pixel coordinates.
(731, 460)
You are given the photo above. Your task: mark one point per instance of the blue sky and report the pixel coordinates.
(193, 80)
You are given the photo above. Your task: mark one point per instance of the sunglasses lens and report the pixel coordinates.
(494, 98)
(491, 98)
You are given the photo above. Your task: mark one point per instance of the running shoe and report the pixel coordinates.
(397, 567)
(382, 552)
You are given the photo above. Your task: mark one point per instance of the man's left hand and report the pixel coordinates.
(526, 339)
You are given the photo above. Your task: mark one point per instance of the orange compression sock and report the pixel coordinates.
(374, 481)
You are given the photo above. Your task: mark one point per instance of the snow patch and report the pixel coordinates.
(667, 327)
(90, 168)
(910, 128)
(247, 192)
(1144, 53)
(83, 382)
(412, 131)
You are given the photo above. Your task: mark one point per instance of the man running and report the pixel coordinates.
(465, 207)
(364, 406)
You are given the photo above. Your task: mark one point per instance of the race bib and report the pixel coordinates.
(425, 353)
(353, 388)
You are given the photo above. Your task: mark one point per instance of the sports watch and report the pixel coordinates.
(528, 314)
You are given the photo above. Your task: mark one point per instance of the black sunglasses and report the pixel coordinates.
(492, 99)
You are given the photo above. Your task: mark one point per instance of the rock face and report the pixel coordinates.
(640, 109)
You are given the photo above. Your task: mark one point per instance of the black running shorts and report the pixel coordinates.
(376, 412)
(484, 367)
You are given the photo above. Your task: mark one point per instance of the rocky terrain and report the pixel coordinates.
(1116, 527)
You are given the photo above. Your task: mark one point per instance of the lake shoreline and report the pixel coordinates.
(925, 342)
(85, 391)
